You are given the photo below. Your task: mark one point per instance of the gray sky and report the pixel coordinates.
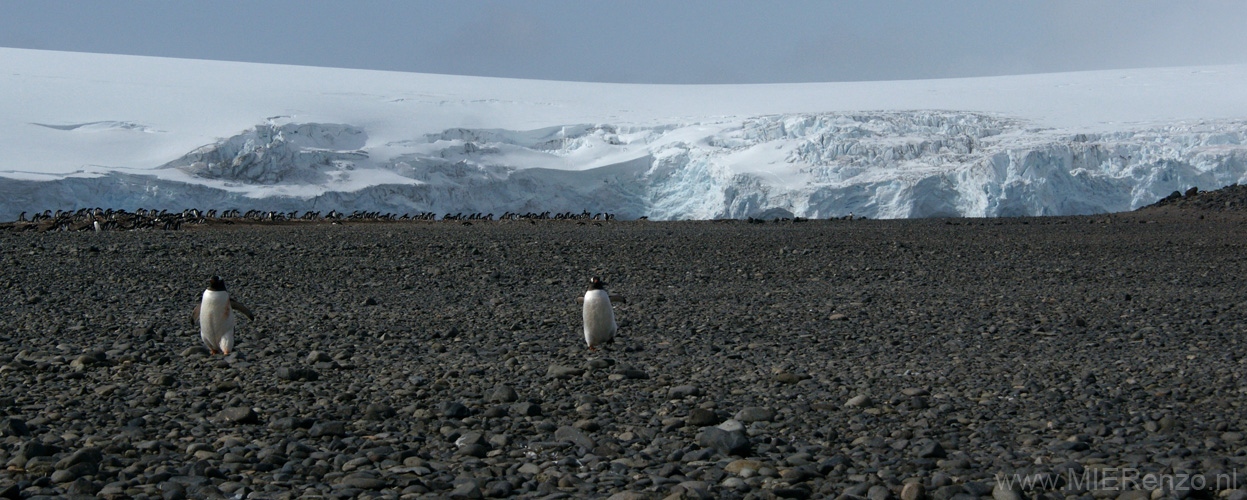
(652, 41)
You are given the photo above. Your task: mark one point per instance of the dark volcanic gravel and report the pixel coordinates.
(876, 360)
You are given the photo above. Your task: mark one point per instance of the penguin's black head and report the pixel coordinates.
(596, 283)
(216, 284)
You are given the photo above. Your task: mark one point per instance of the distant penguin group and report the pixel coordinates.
(599, 315)
(216, 318)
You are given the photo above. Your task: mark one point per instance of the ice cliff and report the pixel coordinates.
(888, 164)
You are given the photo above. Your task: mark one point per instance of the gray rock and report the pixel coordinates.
(290, 423)
(527, 409)
(35, 448)
(575, 436)
(702, 417)
(63, 476)
(470, 437)
(1071, 446)
(683, 391)
(913, 491)
(466, 490)
(732, 425)
(563, 372)
(503, 394)
(453, 409)
(195, 351)
(478, 450)
(327, 429)
(1003, 492)
(13, 427)
(238, 415)
(797, 475)
(726, 442)
(499, 489)
(858, 401)
(977, 489)
(111, 491)
(632, 374)
(879, 492)
(171, 490)
(599, 363)
(1167, 422)
(91, 456)
(378, 412)
(789, 378)
(298, 374)
(794, 493)
(632, 495)
(947, 492)
(82, 362)
(364, 482)
(755, 414)
(931, 449)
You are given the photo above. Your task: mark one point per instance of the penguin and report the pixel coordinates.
(216, 318)
(599, 316)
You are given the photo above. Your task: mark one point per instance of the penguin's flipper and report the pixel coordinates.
(195, 315)
(580, 300)
(237, 306)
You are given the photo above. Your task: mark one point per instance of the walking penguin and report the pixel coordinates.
(216, 318)
(599, 316)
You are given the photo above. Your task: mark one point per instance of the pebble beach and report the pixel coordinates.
(880, 360)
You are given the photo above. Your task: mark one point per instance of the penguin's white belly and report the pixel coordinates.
(599, 318)
(216, 321)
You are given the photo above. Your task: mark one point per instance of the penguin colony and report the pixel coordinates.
(100, 219)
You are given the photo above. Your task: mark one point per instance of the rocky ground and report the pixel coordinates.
(926, 359)
(1231, 198)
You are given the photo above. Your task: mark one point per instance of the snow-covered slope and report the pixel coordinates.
(88, 130)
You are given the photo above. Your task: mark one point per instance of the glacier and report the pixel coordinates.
(635, 151)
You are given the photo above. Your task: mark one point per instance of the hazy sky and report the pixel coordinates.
(652, 41)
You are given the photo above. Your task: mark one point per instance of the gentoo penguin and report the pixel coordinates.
(599, 316)
(216, 318)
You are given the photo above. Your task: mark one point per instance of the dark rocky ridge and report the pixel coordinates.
(1231, 198)
(443, 360)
